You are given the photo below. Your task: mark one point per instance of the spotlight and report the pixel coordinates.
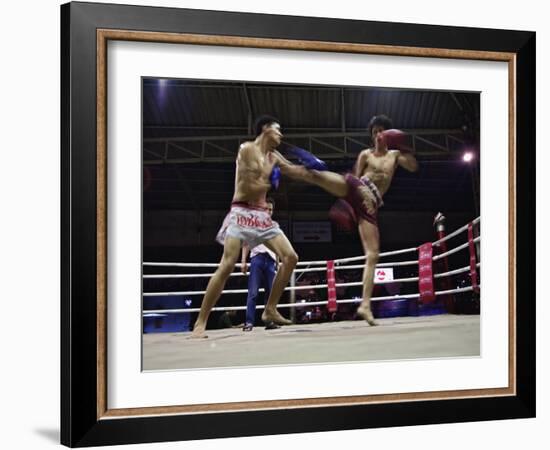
(468, 156)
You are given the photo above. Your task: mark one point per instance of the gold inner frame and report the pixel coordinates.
(103, 36)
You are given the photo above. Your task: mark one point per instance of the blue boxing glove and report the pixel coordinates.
(275, 177)
(307, 159)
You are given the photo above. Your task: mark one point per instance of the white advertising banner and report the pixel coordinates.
(383, 274)
(311, 232)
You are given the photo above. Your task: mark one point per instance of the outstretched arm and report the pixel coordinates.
(281, 160)
(407, 161)
(360, 164)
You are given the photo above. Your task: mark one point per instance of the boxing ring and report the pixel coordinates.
(442, 335)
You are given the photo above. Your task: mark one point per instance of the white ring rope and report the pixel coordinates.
(300, 263)
(306, 287)
(172, 264)
(454, 250)
(311, 269)
(193, 275)
(455, 272)
(336, 261)
(305, 304)
(359, 258)
(314, 269)
(457, 232)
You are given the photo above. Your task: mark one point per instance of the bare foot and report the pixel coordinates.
(366, 313)
(274, 316)
(198, 333)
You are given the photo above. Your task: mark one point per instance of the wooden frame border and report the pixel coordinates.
(103, 36)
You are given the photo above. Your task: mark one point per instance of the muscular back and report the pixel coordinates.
(379, 168)
(252, 174)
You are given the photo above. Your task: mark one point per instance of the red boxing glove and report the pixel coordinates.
(396, 140)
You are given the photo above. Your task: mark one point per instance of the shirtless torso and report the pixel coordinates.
(254, 167)
(378, 167)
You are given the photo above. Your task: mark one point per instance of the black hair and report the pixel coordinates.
(262, 120)
(270, 200)
(380, 121)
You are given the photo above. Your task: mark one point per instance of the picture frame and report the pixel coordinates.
(86, 28)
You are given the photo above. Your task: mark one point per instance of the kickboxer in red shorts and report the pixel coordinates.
(360, 194)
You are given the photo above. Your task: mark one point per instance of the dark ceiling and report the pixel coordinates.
(192, 130)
